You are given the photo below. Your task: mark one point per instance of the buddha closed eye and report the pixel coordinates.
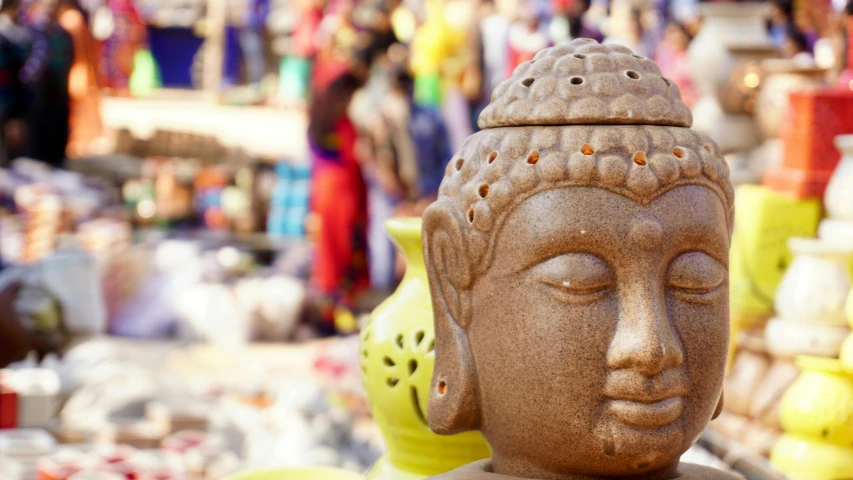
(583, 277)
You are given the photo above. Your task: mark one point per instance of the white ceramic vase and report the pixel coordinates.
(788, 339)
(839, 193)
(814, 289)
(725, 26)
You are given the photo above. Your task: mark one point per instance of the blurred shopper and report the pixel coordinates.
(805, 24)
(488, 51)
(86, 124)
(428, 135)
(50, 66)
(781, 15)
(525, 39)
(630, 33)
(15, 43)
(119, 49)
(672, 58)
(570, 22)
(338, 201)
(796, 48)
(252, 36)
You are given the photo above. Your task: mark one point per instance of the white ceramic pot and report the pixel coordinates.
(814, 289)
(724, 25)
(781, 77)
(787, 339)
(839, 193)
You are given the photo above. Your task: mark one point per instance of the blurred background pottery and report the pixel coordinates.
(712, 62)
(839, 193)
(809, 459)
(815, 287)
(780, 77)
(819, 404)
(397, 358)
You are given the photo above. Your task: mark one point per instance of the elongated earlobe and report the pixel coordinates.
(719, 409)
(453, 400)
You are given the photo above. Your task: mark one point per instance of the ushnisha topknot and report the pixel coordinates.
(549, 142)
(585, 83)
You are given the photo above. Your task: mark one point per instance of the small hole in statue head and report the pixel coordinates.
(533, 158)
(707, 148)
(632, 75)
(679, 153)
(484, 190)
(493, 156)
(576, 81)
(640, 158)
(587, 149)
(580, 56)
(442, 387)
(471, 215)
(528, 82)
(459, 164)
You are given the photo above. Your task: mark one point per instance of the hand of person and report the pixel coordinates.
(14, 337)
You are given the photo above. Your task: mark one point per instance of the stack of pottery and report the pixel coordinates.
(810, 320)
(838, 226)
(810, 301)
(725, 27)
(817, 414)
(397, 357)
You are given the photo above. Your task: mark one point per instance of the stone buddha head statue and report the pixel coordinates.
(577, 258)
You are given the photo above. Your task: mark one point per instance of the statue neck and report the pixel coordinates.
(515, 470)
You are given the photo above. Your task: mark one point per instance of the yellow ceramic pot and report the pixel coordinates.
(809, 459)
(819, 404)
(397, 358)
(314, 473)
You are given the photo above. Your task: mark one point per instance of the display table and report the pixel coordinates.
(262, 132)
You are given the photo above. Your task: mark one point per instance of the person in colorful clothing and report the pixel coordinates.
(14, 49)
(86, 124)
(46, 74)
(339, 269)
(119, 49)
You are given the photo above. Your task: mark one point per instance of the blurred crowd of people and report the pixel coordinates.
(395, 95)
(49, 76)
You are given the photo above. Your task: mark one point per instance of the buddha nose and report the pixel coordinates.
(645, 339)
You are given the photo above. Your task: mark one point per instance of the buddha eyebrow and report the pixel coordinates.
(645, 232)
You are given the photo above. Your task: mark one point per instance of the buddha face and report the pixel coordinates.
(600, 331)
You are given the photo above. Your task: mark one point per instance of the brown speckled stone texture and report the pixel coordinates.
(579, 278)
(585, 83)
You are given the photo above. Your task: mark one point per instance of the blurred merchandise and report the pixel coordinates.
(813, 121)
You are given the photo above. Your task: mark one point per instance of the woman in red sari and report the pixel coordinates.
(338, 201)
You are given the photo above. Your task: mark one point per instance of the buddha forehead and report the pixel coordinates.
(590, 219)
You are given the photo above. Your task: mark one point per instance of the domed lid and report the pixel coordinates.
(585, 83)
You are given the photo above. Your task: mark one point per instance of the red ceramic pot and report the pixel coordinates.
(813, 121)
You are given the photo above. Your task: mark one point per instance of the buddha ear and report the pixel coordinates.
(453, 397)
(719, 409)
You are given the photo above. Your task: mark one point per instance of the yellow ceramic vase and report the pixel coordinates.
(847, 346)
(802, 458)
(816, 413)
(397, 358)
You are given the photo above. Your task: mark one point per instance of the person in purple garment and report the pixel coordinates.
(252, 34)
